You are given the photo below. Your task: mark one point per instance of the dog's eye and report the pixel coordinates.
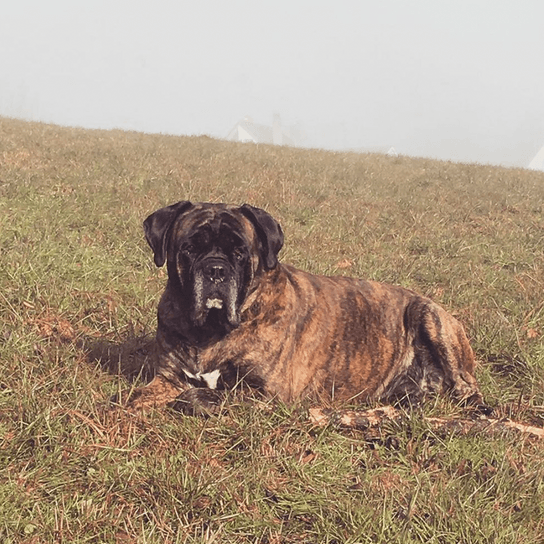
(239, 254)
(189, 248)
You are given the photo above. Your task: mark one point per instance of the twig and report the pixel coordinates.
(368, 419)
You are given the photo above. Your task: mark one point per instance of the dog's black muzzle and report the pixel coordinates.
(215, 270)
(215, 292)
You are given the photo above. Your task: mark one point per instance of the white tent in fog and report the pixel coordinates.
(538, 162)
(248, 131)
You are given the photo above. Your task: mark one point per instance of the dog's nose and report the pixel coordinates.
(215, 273)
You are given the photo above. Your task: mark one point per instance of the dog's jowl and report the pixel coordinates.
(231, 312)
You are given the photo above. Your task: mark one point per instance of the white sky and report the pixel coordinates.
(452, 79)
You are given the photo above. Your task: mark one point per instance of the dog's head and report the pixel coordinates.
(213, 253)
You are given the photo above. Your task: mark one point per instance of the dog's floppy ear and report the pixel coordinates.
(269, 233)
(157, 226)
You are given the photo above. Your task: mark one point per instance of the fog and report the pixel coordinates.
(461, 80)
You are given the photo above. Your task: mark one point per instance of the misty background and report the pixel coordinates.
(459, 80)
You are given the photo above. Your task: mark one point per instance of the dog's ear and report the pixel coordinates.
(157, 226)
(269, 233)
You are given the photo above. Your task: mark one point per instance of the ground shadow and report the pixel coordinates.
(131, 358)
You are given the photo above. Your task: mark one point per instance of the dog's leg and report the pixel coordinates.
(158, 393)
(441, 358)
(198, 401)
(449, 357)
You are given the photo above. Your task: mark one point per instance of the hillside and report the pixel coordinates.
(77, 279)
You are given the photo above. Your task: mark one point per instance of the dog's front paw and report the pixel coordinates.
(158, 393)
(198, 401)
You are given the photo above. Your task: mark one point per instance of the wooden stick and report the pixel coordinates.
(368, 419)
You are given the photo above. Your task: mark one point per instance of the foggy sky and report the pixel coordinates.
(460, 80)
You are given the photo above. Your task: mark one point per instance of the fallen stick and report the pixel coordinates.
(368, 419)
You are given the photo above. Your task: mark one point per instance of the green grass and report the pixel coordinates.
(78, 292)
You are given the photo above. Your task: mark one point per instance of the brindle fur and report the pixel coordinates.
(297, 334)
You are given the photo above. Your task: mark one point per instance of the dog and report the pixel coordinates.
(231, 313)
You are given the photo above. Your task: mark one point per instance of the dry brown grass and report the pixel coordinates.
(79, 290)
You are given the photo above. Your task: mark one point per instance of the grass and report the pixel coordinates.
(78, 292)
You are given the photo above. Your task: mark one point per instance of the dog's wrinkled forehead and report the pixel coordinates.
(211, 223)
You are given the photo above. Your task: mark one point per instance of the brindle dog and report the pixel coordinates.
(231, 312)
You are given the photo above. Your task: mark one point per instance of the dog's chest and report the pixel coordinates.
(228, 362)
(205, 379)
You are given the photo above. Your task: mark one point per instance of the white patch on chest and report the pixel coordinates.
(211, 378)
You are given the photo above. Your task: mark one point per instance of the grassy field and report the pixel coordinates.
(78, 295)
